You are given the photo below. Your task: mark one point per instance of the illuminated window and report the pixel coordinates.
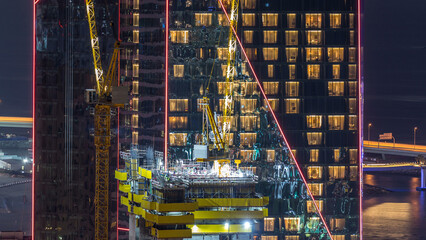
(135, 36)
(313, 71)
(178, 70)
(292, 105)
(313, 20)
(179, 36)
(270, 155)
(291, 38)
(291, 54)
(352, 37)
(247, 139)
(135, 137)
(336, 71)
(136, 19)
(252, 53)
(336, 122)
(314, 37)
(200, 53)
(203, 19)
(336, 155)
(352, 105)
(352, 88)
(270, 87)
(222, 53)
(352, 54)
(248, 105)
(270, 19)
(273, 102)
(247, 155)
(337, 224)
(135, 121)
(313, 54)
(178, 105)
(292, 224)
(352, 71)
(224, 68)
(353, 156)
(178, 122)
(335, 20)
(200, 103)
(248, 36)
(335, 54)
(248, 123)
(135, 87)
(291, 237)
(269, 238)
(353, 173)
(232, 120)
(310, 207)
(314, 138)
(270, 71)
(291, 20)
(268, 224)
(222, 87)
(353, 122)
(135, 70)
(222, 105)
(354, 237)
(314, 121)
(178, 139)
(313, 155)
(316, 189)
(270, 36)
(135, 104)
(338, 237)
(351, 20)
(270, 54)
(336, 88)
(248, 88)
(135, 4)
(291, 71)
(248, 20)
(248, 4)
(336, 172)
(222, 20)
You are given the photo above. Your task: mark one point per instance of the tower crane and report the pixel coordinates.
(103, 104)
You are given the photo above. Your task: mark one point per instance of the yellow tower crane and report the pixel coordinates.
(230, 74)
(102, 126)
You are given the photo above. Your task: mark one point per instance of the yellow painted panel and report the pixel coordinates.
(180, 233)
(124, 188)
(176, 207)
(219, 228)
(145, 173)
(228, 214)
(122, 176)
(124, 201)
(232, 202)
(166, 220)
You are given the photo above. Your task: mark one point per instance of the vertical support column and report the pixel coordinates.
(422, 179)
(132, 226)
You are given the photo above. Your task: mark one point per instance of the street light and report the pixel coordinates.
(369, 126)
(415, 130)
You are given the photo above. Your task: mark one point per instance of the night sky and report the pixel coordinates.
(394, 65)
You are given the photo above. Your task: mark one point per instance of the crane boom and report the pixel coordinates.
(230, 73)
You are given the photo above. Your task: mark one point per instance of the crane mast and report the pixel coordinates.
(102, 126)
(230, 74)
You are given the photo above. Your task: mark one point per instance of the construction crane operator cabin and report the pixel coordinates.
(197, 119)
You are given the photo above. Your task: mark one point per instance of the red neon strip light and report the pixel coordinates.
(123, 229)
(276, 120)
(33, 130)
(360, 120)
(166, 95)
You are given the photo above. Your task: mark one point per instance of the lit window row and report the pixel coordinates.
(338, 154)
(335, 122)
(334, 172)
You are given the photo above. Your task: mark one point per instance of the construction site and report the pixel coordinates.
(209, 120)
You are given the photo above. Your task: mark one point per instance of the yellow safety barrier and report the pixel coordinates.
(145, 173)
(119, 175)
(232, 202)
(220, 228)
(199, 215)
(179, 233)
(124, 188)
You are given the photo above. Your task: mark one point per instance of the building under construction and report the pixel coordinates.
(243, 120)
